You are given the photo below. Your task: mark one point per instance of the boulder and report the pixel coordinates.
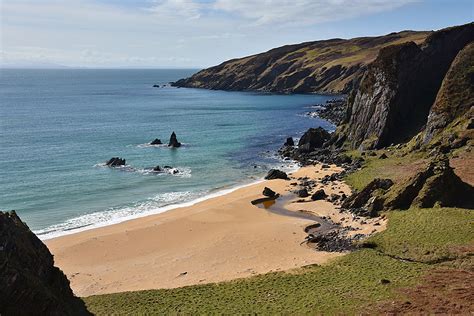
(302, 193)
(383, 156)
(313, 138)
(30, 284)
(115, 162)
(174, 141)
(319, 195)
(157, 169)
(276, 174)
(268, 192)
(157, 141)
(289, 142)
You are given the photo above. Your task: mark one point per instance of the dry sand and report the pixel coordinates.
(218, 239)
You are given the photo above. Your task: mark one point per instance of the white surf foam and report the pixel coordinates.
(155, 205)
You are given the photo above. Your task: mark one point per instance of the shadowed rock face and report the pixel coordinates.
(30, 284)
(330, 66)
(437, 184)
(456, 95)
(394, 98)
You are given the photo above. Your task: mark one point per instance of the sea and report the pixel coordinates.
(59, 127)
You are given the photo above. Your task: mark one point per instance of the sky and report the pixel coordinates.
(197, 33)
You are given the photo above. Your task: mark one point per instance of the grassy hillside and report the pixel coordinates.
(328, 66)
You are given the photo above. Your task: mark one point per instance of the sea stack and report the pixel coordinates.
(174, 141)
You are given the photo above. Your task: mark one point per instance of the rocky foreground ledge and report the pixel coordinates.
(30, 284)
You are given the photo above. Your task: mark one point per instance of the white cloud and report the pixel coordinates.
(304, 12)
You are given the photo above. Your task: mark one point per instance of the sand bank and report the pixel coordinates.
(219, 239)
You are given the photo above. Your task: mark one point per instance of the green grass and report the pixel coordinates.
(394, 167)
(344, 285)
(426, 235)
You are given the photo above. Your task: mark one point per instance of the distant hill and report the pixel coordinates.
(329, 66)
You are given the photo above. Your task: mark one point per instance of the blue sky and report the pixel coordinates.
(198, 33)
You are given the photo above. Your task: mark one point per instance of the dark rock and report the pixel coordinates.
(30, 284)
(369, 201)
(313, 138)
(303, 193)
(156, 86)
(268, 192)
(383, 156)
(289, 142)
(276, 174)
(157, 141)
(157, 169)
(334, 197)
(174, 141)
(115, 162)
(319, 195)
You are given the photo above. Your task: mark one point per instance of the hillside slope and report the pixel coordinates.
(329, 66)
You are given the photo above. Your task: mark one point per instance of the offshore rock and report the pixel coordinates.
(174, 141)
(115, 162)
(156, 141)
(30, 284)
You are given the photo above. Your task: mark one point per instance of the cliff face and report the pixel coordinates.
(456, 95)
(393, 100)
(331, 66)
(29, 282)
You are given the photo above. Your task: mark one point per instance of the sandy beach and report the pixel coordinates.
(222, 238)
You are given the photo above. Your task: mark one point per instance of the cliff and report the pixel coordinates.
(30, 284)
(456, 95)
(330, 66)
(394, 98)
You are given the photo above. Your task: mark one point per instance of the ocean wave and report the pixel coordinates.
(154, 205)
(181, 172)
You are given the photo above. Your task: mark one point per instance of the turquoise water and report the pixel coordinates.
(58, 127)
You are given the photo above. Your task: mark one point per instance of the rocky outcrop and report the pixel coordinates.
(30, 284)
(276, 174)
(369, 201)
(115, 162)
(394, 98)
(313, 138)
(456, 95)
(289, 142)
(174, 141)
(436, 185)
(330, 66)
(156, 141)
